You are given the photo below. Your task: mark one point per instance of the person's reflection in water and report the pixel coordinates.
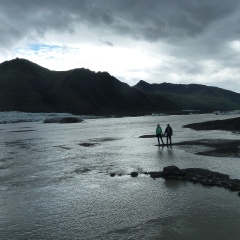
(170, 154)
(160, 152)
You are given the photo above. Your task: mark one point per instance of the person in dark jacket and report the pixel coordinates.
(159, 134)
(169, 133)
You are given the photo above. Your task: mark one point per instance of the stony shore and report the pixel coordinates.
(217, 148)
(196, 175)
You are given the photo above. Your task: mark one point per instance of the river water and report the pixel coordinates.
(55, 182)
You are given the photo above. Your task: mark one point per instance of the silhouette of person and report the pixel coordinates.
(169, 133)
(159, 134)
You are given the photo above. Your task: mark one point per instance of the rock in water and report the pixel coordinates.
(70, 120)
(63, 120)
(134, 174)
(170, 170)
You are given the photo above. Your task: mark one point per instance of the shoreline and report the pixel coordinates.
(215, 148)
(231, 124)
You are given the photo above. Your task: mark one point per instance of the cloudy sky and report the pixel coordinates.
(176, 41)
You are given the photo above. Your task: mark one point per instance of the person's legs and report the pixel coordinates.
(158, 139)
(161, 139)
(170, 139)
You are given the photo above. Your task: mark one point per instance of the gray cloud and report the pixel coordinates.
(194, 30)
(108, 43)
(152, 20)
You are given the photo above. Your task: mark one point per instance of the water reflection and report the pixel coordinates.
(166, 152)
(174, 184)
(170, 153)
(61, 189)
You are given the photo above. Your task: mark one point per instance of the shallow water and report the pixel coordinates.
(55, 182)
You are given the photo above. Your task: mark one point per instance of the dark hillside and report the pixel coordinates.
(23, 86)
(194, 96)
(26, 86)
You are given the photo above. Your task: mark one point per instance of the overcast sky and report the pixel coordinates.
(176, 41)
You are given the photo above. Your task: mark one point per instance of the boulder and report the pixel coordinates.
(195, 175)
(170, 170)
(63, 120)
(134, 174)
(198, 175)
(52, 120)
(70, 120)
(155, 174)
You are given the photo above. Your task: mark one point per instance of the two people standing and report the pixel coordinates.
(168, 132)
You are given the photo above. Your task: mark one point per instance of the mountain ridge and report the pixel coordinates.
(26, 86)
(194, 96)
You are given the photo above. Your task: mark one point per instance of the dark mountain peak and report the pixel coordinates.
(17, 62)
(142, 85)
(141, 82)
(26, 86)
(20, 64)
(195, 96)
(90, 77)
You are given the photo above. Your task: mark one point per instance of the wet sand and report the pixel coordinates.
(215, 148)
(221, 147)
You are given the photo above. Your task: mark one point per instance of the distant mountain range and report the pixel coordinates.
(194, 96)
(28, 87)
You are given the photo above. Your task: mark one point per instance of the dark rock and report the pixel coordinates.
(182, 173)
(235, 188)
(52, 120)
(63, 120)
(204, 181)
(206, 173)
(195, 180)
(88, 144)
(180, 178)
(170, 170)
(168, 176)
(112, 174)
(82, 170)
(156, 174)
(198, 175)
(70, 120)
(134, 174)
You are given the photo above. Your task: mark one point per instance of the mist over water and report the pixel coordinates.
(55, 182)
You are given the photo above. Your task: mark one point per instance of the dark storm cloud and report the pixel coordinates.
(151, 20)
(32, 19)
